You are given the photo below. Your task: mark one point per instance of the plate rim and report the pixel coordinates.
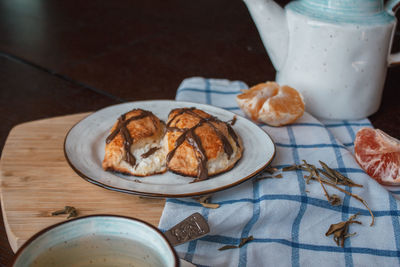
(164, 195)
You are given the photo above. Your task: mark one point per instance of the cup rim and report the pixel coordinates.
(50, 227)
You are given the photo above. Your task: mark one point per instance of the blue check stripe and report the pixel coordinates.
(346, 200)
(303, 204)
(395, 223)
(249, 225)
(346, 123)
(226, 240)
(348, 144)
(335, 140)
(321, 203)
(359, 250)
(211, 91)
(231, 108)
(349, 130)
(208, 92)
(331, 125)
(310, 146)
(347, 170)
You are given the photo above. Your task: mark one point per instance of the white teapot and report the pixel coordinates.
(335, 52)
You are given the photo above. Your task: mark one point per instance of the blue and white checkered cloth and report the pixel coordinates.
(287, 217)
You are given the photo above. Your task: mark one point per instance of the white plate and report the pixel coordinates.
(85, 142)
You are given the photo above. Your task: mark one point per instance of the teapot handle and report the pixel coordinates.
(394, 59)
(391, 7)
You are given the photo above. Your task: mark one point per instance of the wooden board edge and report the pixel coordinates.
(80, 116)
(12, 238)
(14, 242)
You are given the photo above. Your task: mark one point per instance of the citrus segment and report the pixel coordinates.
(272, 104)
(378, 154)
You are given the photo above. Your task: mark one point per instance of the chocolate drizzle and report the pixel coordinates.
(126, 136)
(189, 135)
(150, 152)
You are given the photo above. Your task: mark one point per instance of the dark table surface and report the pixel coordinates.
(64, 57)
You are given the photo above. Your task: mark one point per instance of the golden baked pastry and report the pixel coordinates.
(134, 144)
(200, 145)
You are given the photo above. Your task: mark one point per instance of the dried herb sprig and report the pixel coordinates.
(334, 199)
(356, 197)
(340, 230)
(243, 241)
(352, 195)
(312, 170)
(338, 178)
(71, 211)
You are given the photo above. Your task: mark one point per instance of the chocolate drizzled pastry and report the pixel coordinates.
(200, 145)
(133, 145)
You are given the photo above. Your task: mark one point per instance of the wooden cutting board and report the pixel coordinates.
(36, 180)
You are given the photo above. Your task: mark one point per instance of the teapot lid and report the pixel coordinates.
(345, 6)
(343, 11)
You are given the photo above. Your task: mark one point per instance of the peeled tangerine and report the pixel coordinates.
(270, 103)
(379, 155)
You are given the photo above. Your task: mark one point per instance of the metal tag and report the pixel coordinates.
(193, 227)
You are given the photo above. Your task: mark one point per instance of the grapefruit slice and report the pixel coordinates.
(379, 155)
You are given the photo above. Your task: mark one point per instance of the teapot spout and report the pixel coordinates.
(271, 23)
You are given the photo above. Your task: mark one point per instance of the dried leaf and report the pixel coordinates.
(205, 202)
(328, 170)
(71, 211)
(335, 227)
(356, 197)
(290, 168)
(335, 200)
(227, 247)
(58, 212)
(243, 241)
(337, 176)
(278, 176)
(271, 170)
(309, 169)
(332, 178)
(210, 205)
(340, 230)
(203, 199)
